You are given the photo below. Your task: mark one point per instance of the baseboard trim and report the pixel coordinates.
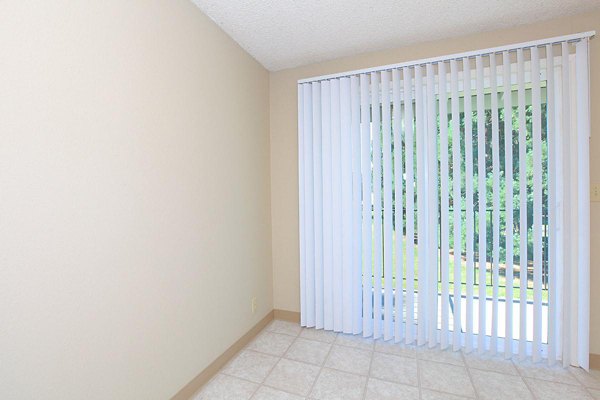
(285, 315)
(594, 361)
(203, 377)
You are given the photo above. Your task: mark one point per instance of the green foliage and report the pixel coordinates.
(516, 231)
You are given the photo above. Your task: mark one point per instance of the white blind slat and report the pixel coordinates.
(336, 185)
(309, 206)
(481, 192)
(469, 230)
(583, 197)
(347, 235)
(327, 207)
(557, 299)
(456, 205)
(508, 203)
(399, 204)
(432, 209)
(377, 211)
(318, 202)
(388, 328)
(537, 204)
(573, 186)
(367, 230)
(410, 207)
(495, 203)
(445, 234)
(356, 208)
(552, 208)
(301, 204)
(567, 204)
(522, 207)
(421, 208)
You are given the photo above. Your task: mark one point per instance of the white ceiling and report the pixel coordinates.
(287, 33)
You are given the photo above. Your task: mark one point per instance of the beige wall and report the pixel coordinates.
(134, 197)
(284, 152)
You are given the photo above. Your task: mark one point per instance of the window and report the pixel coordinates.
(447, 201)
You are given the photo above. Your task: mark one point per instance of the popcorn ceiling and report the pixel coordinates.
(283, 34)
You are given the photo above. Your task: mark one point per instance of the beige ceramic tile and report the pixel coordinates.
(397, 349)
(491, 386)
(585, 378)
(595, 393)
(251, 365)
(284, 327)
(427, 394)
(495, 363)
(349, 359)
(271, 343)
(308, 351)
(318, 334)
(394, 368)
(543, 371)
(293, 377)
(381, 390)
(557, 391)
(443, 356)
(224, 387)
(356, 341)
(446, 378)
(338, 385)
(267, 393)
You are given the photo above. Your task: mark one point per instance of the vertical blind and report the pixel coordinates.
(446, 201)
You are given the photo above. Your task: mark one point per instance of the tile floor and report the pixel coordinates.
(287, 362)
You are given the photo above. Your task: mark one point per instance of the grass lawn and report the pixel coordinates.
(463, 266)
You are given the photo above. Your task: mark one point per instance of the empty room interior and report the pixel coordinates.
(299, 200)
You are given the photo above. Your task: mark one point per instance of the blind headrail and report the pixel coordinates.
(468, 54)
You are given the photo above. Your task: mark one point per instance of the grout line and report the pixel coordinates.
(241, 379)
(528, 387)
(418, 374)
(266, 329)
(470, 376)
(266, 376)
(259, 385)
(364, 396)
(587, 389)
(359, 338)
(271, 370)
(440, 361)
(281, 357)
(544, 379)
(335, 369)
(320, 371)
(523, 377)
(464, 365)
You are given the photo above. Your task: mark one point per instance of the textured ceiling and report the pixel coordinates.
(287, 33)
